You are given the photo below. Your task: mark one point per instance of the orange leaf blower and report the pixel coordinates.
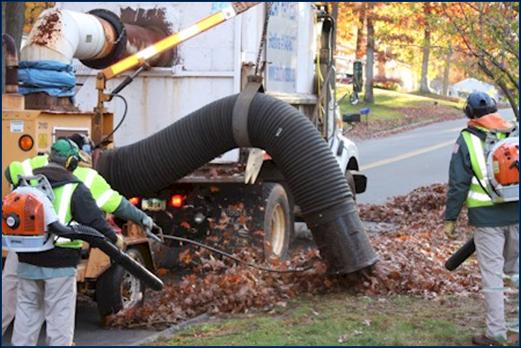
(503, 169)
(24, 228)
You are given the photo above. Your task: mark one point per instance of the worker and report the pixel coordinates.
(47, 280)
(107, 199)
(496, 225)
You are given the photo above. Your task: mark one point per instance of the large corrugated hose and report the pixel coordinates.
(303, 157)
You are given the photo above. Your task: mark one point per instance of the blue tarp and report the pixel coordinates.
(52, 77)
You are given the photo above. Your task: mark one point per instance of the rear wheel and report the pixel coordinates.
(278, 222)
(117, 289)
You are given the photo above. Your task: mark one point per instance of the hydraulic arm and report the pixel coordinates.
(141, 58)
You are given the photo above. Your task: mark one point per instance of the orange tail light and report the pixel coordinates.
(506, 160)
(22, 215)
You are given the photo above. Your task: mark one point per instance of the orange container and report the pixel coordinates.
(22, 215)
(505, 161)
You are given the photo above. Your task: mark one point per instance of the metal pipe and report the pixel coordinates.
(11, 63)
(62, 35)
(97, 38)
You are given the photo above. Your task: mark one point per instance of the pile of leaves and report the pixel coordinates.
(412, 117)
(413, 256)
(411, 262)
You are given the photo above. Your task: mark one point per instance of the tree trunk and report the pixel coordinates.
(446, 72)
(13, 15)
(424, 82)
(369, 64)
(360, 30)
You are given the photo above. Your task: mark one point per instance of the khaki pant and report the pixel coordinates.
(498, 253)
(9, 285)
(49, 300)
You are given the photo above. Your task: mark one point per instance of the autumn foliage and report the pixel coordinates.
(411, 262)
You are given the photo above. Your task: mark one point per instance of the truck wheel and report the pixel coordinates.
(351, 182)
(117, 289)
(278, 224)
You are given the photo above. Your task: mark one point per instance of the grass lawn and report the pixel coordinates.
(344, 319)
(390, 104)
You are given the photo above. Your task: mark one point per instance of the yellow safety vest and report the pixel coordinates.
(477, 196)
(106, 198)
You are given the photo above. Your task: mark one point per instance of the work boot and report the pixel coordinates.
(482, 340)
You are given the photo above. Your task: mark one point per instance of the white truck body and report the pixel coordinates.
(210, 66)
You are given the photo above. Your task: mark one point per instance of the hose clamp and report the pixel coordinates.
(241, 111)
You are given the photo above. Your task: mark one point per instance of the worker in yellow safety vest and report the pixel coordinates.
(496, 223)
(47, 279)
(107, 199)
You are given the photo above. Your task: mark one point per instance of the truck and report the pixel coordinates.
(288, 47)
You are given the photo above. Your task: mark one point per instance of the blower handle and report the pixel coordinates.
(98, 240)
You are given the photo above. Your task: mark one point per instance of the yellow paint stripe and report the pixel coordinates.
(406, 155)
(450, 130)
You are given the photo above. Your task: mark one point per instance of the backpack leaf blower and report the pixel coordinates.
(24, 228)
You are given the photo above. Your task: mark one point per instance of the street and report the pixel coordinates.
(397, 164)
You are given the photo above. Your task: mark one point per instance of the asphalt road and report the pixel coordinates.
(397, 164)
(394, 165)
(90, 333)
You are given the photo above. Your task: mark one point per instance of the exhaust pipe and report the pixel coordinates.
(301, 154)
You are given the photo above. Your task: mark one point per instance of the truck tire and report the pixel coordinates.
(351, 182)
(117, 289)
(278, 221)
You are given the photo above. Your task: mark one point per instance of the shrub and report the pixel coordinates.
(390, 83)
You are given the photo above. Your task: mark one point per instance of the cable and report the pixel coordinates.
(230, 256)
(119, 124)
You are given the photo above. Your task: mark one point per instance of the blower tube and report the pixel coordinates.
(98, 240)
(303, 157)
(460, 255)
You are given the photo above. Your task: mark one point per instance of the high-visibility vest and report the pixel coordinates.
(62, 206)
(106, 198)
(477, 196)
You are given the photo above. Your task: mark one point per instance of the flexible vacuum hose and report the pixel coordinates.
(296, 147)
(98, 240)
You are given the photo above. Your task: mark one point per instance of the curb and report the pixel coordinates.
(169, 332)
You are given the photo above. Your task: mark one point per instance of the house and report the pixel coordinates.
(464, 87)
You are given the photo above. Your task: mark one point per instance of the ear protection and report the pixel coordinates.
(71, 162)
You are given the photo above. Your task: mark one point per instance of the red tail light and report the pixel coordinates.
(135, 201)
(177, 201)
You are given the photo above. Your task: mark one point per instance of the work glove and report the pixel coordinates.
(120, 242)
(450, 230)
(147, 223)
